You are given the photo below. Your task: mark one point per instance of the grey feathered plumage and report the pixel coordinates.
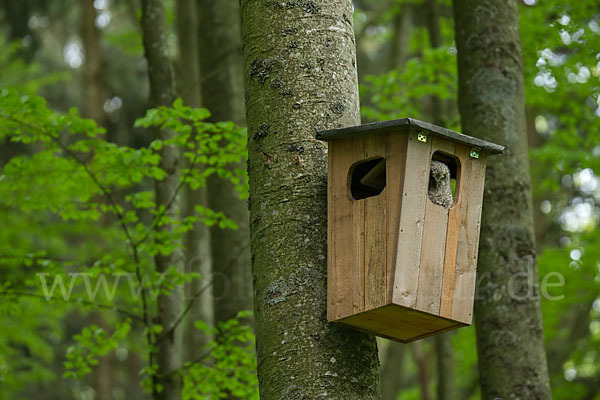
(440, 192)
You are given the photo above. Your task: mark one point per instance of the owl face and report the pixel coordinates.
(440, 173)
(440, 192)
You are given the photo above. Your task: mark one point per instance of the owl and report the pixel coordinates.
(440, 192)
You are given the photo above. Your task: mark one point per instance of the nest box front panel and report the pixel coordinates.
(365, 180)
(437, 243)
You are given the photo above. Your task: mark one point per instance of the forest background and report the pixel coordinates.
(79, 197)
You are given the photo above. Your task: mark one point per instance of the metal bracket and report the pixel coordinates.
(422, 137)
(474, 153)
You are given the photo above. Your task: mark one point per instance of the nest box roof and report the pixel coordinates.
(402, 125)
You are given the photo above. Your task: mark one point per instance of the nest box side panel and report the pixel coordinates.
(447, 292)
(434, 243)
(375, 231)
(345, 239)
(396, 165)
(468, 239)
(411, 221)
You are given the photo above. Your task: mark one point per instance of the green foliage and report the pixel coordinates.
(96, 197)
(26, 325)
(92, 343)
(228, 366)
(16, 73)
(402, 92)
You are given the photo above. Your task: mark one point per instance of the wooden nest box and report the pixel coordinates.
(403, 228)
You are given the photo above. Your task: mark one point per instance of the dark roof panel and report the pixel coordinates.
(399, 125)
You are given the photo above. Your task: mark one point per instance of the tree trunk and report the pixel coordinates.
(197, 241)
(421, 361)
(436, 40)
(510, 342)
(403, 25)
(445, 367)
(170, 306)
(300, 78)
(103, 376)
(443, 343)
(93, 105)
(221, 66)
(392, 371)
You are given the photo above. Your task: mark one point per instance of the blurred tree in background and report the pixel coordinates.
(57, 219)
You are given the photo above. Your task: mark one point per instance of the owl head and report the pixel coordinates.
(440, 174)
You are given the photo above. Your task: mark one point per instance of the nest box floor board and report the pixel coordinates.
(400, 323)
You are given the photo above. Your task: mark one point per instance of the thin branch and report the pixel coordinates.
(134, 246)
(78, 301)
(196, 295)
(162, 212)
(187, 365)
(83, 164)
(170, 202)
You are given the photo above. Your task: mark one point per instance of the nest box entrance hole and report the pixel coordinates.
(446, 173)
(367, 178)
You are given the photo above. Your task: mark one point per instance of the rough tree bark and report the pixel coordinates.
(162, 94)
(300, 78)
(197, 241)
(510, 345)
(221, 66)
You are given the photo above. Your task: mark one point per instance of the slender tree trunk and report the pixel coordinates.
(445, 366)
(103, 373)
(162, 92)
(300, 78)
(221, 64)
(443, 343)
(197, 241)
(421, 360)
(392, 370)
(93, 107)
(403, 25)
(435, 40)
(188, 72)
(93, 68)
(510, 342)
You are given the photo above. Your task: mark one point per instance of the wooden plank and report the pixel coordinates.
(412, 214)
(461, 153)
(432, 258)
(375, 234)
(358, 225)
(343, 271)
(433, 247)
(330, 234)
(399, 323)
(468, 239)
(396, 165)
(375, 178)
